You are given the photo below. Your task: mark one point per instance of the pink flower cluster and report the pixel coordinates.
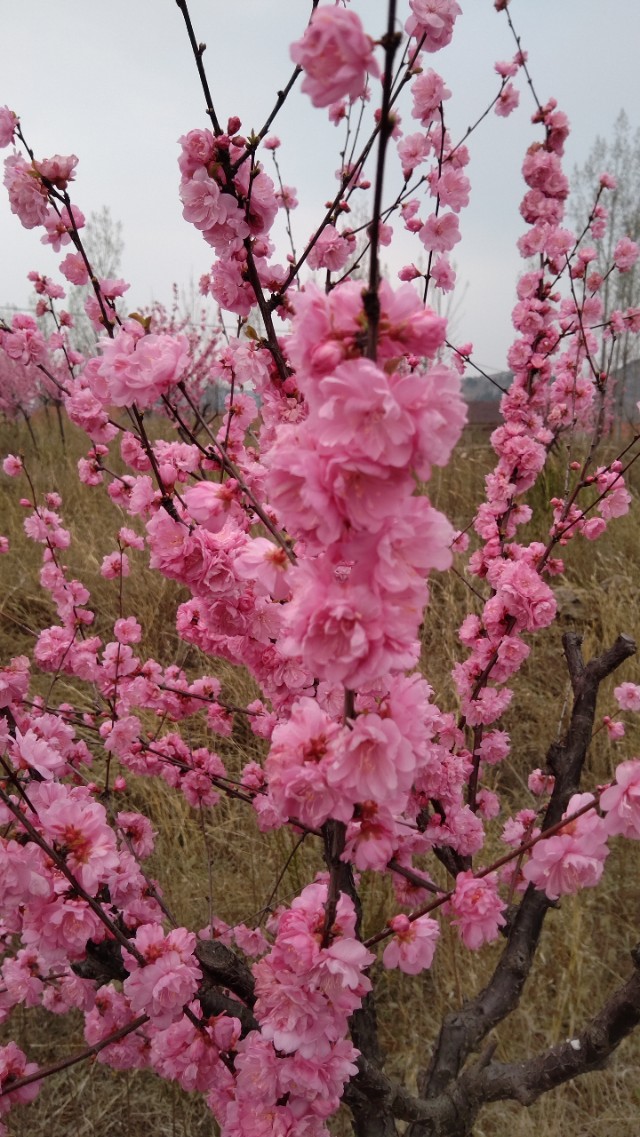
(137, 368)
(573, 858)
(169, 977)
(335, 55)
(343, 482)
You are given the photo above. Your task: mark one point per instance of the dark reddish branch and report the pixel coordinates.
(223, 966)
(198, 51)
(371, 299)
(73, 1059)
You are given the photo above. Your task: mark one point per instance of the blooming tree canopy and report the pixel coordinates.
(302, 535)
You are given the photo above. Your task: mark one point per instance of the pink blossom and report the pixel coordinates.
(414, 944)
(59, 170)
(198, 150)
(371, 837)
(412, 150)
(440, 232)
(29, 752)
(373, 762)
(198, 789)
(335, 55)
(507, 101)
(452, 187)
(74, 269)
(539, 782)
(524, 595)
(342, 631)
(138, 830)
(593, 528)
(216, 214)
(615, 730)
(627, 696)
(429, 92)
(170, 977)
(14, 1065)
(114, 566)
(12, 465)
(8, 124)
(266, 564)
(495, 747)
(433, 19)
(331, 251)
(297, 766)
(360, 412)
(409, 272)
(573, 858)
(443, 274)
(80, 828)
(621, 801)
(138, 368)
(478, 909)
(128, 631)
(625, 254)
(27, 195)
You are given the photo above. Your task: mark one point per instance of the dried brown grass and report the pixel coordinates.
(585, 947)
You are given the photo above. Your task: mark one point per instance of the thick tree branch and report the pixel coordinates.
(464, 1030)
(453, 1112)
(221, 966)
(526, 1081)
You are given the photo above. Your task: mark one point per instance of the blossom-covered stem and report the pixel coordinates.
(485, 674)
(480, 118)
(553, 540)
(334, 833)
(54, 315)
(436, 208)
(113, 699)
(73, 1059)
(413, 877)
(77, 241)
(61, 864)
(265, 311)
(53, 553)
(209, 699)
(472, 787)
(166, 500)
(255, 504)
(256, 139)
(391, 43)
(345, 181)
(514, 855)
(184, 430)
(287, 209)
(198, 51)
(523, 64)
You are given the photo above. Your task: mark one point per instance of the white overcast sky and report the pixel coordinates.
(115, 83)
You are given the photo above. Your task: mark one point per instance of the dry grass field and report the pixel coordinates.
(585, 948)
